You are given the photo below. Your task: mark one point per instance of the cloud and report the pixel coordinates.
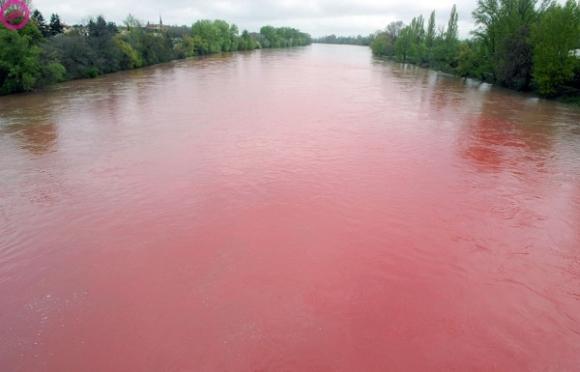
(319, 17)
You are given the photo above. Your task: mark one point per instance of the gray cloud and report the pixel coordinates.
(318, 17)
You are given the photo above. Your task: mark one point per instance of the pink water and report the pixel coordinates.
(293, 210)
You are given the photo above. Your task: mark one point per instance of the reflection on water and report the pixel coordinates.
(303, 209)
(494, 143)
(36, 138)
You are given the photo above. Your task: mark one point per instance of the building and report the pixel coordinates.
(156, 27)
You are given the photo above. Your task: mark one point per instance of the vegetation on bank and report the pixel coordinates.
(520, 44)
(44, 53)
(346, 40)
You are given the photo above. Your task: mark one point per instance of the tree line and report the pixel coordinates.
(44, 53)
(519, 44)
(346, 40)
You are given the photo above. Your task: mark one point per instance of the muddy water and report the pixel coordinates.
(304, 210)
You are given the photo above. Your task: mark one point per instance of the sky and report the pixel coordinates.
(317, 17)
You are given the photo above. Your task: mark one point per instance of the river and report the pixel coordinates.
(308, 209)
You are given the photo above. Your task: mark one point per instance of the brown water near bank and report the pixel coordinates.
(308, 209)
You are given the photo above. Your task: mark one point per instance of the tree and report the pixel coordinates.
(516, 43)
(129, 58)
(504, 28)
(208, 36)
(38, 18)
(394, 29)
(132, 23)
(107, 53)
(486, 17)
(470, 59)
(55, 27)
(156, 48)
(384, 42)
(555, 35)
(382, 45)
(451, 42)
(185, 47)
(514, 50)
(419, 49)
(271, 37)
(51, 70)
(75, 54)
(346, 40)
(247, 42)
(410, 46)
(431, 31)
(452, 28)
(29, 58)
(19, 61)
(404, 44)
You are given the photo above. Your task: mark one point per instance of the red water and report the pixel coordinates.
(293, 210)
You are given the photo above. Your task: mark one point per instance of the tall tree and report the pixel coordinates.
(555, 36)
(394, 29)
(486, 17)
(452, 27)
(514, 50)
(55, 27)
(404, 44)
(384, 42)
(431, 31)
(38, 18)
(19, 61)
(108, 54)
(504, 29)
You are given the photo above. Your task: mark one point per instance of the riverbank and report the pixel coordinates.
(515, 44)
(571, 100)
(38, 56)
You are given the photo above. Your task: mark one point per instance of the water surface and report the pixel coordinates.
(309, 209)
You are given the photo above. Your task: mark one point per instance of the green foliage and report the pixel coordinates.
(405, 46)
(513, 58)
(451, 40)
(346, 40)
(55, 27)
(517, 43)
(185, 47)
(431, 32)
(470, 60)
(555, 35)
(107, 54)
(414, 44)
(218, 36)
(385, 41)
(215, 37)
(51, 72)
(382, 45)
(156, 48)
(19, 60)
(247, 42)
(452, 28)
(129, 57)
(74, 53)
(42, 54)
(38, 19)
(282, 37)
(504, 30)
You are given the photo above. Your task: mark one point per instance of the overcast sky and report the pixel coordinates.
(318, 17)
